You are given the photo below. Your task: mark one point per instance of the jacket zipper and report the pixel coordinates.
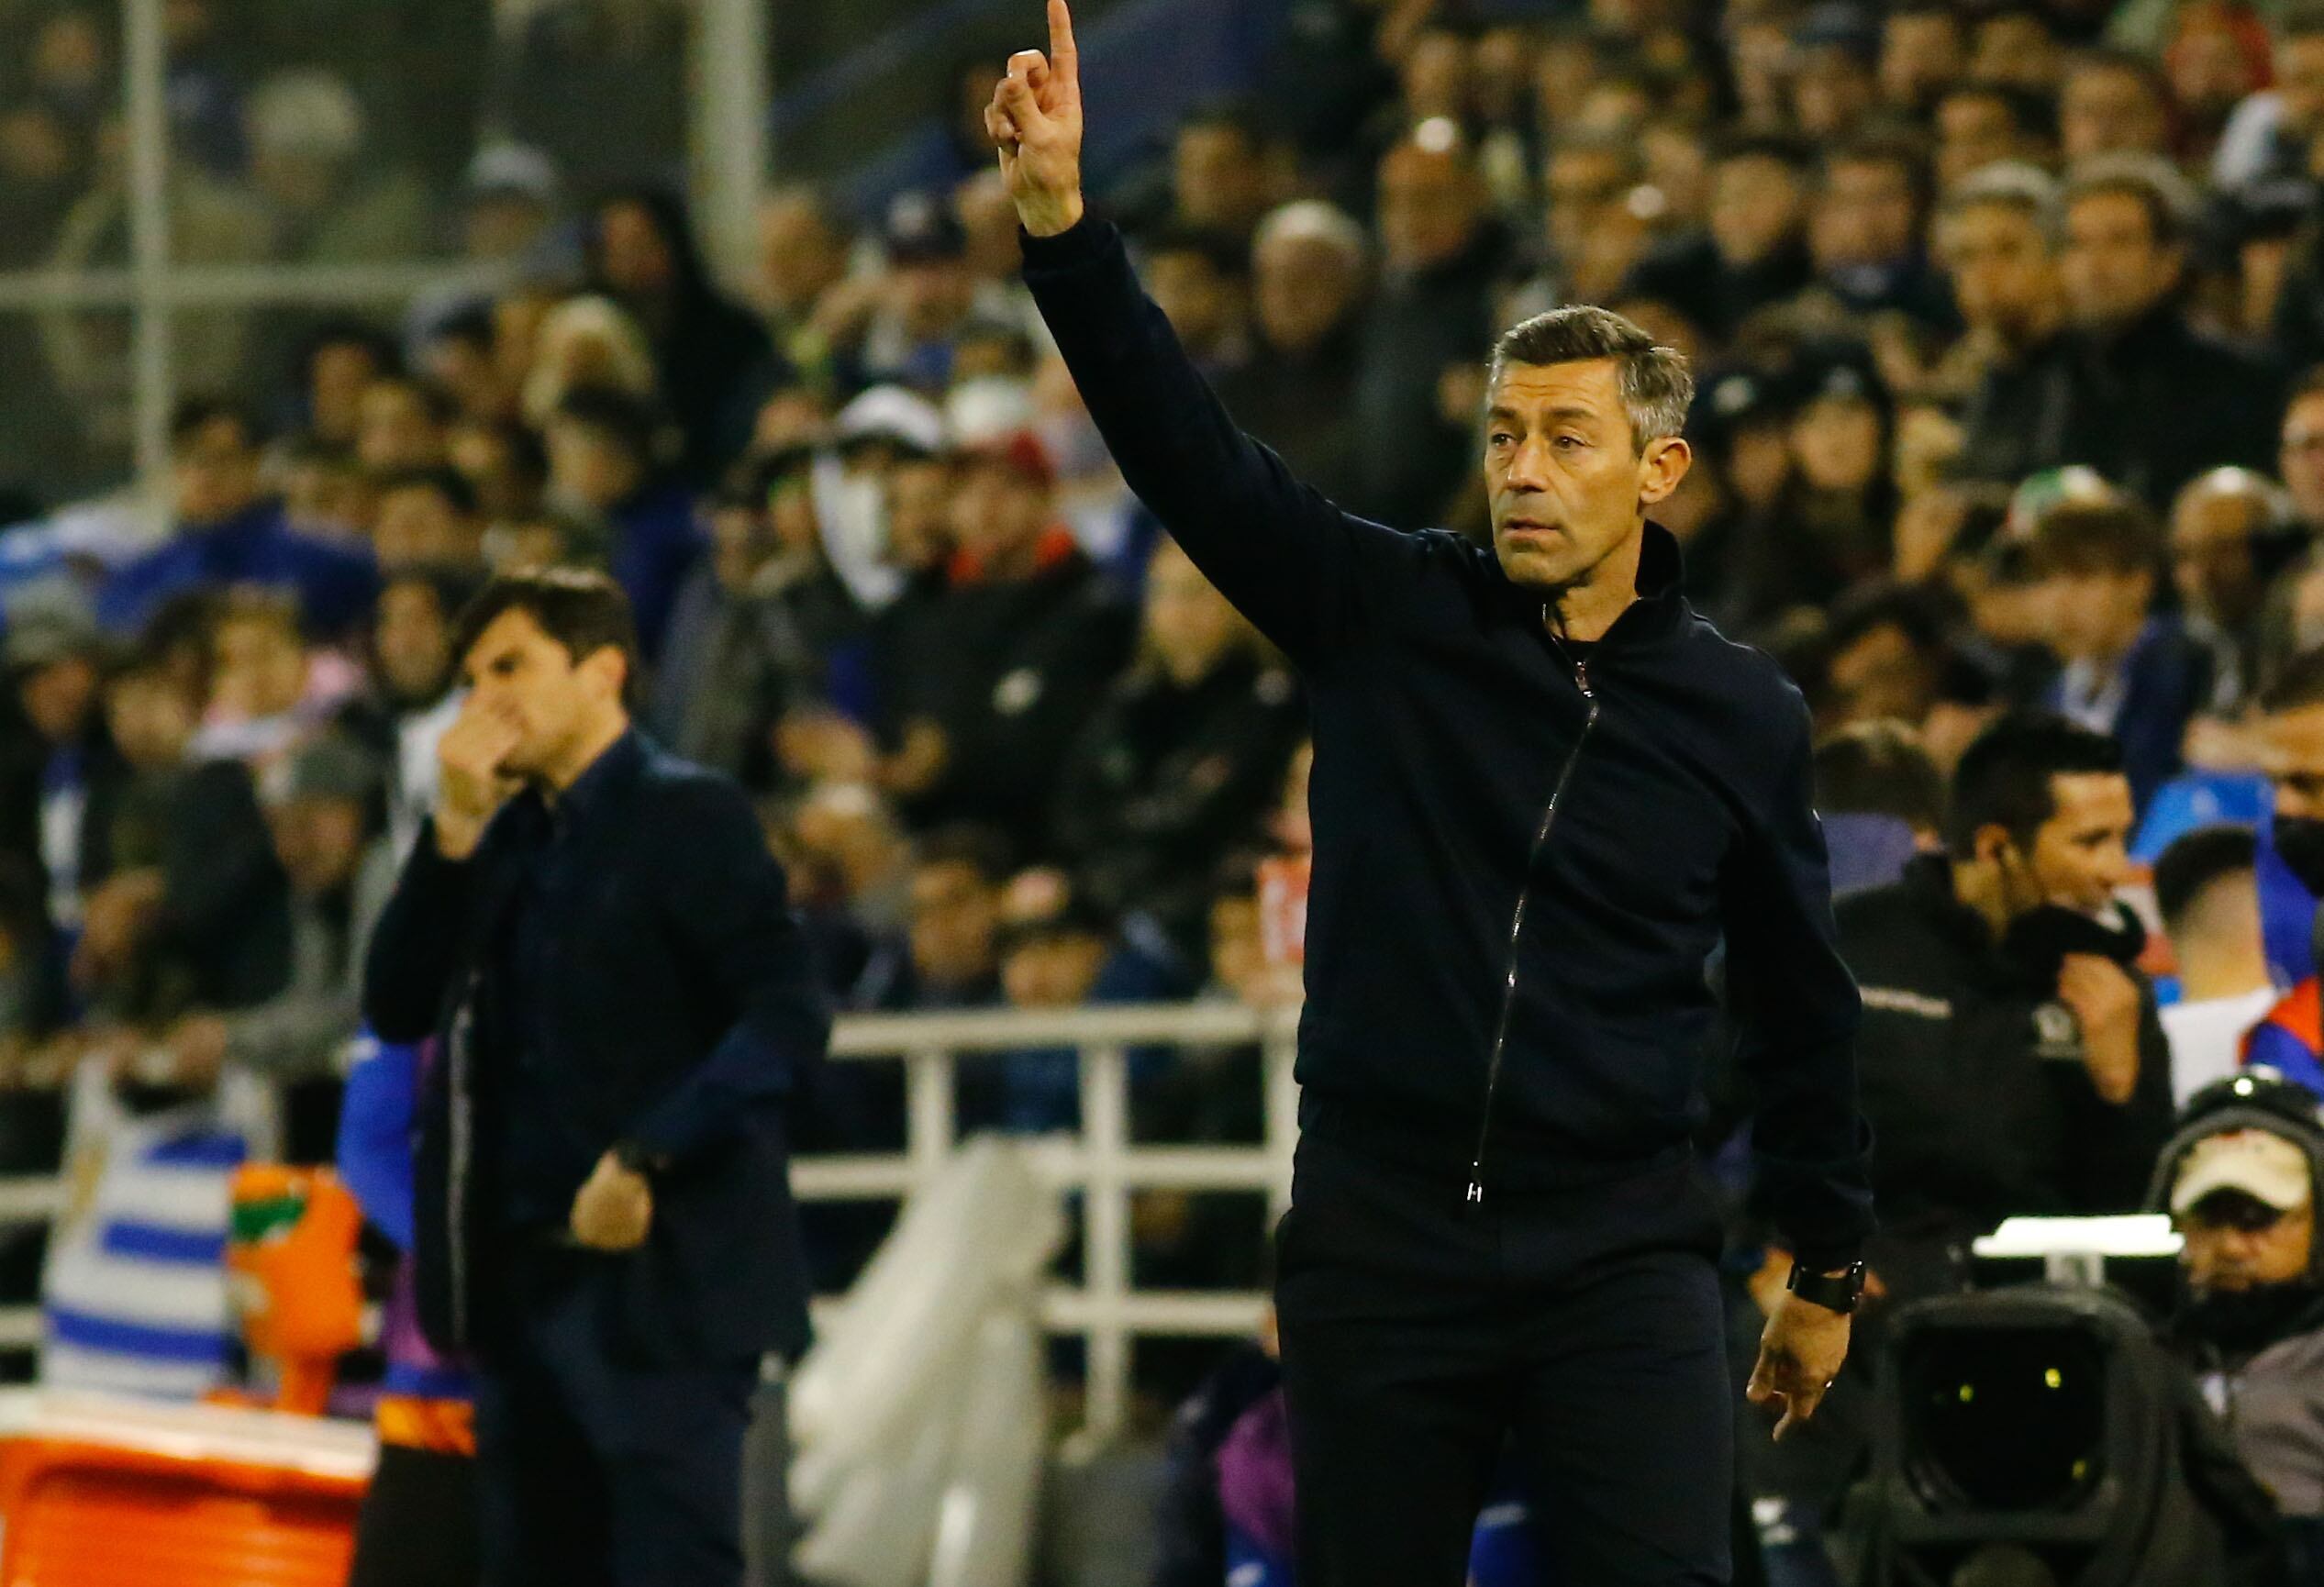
(463, 1148)
(1517, 925)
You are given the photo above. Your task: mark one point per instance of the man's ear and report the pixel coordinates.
(608, 668)
(1660, 471)
(1991, 839)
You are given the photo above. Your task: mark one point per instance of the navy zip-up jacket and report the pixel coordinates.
(1520, 873)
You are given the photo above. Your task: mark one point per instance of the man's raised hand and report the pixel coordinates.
(1035, 119)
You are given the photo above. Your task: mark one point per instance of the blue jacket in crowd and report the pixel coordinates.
(335, 583)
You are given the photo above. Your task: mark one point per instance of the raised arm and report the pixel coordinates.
(1294, 564)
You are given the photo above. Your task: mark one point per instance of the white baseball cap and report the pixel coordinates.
(2258, 1162)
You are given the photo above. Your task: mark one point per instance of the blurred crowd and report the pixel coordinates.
(2007, 321)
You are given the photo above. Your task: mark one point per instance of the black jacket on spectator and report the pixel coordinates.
(1304, 406)
(1971, 1073)
(1010, 669)
(1165, 779)
(1446, 723)
(1411, 459)
(681, 1007)
(2149, 410)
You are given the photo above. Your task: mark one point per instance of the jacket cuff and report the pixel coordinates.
(1077, 244)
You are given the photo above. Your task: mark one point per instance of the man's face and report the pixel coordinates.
(2301, 458)
(214, 471)
(341, 372)
(2299, 81)
(996, 509)
(1755, 207)
(417, 525)
(261, 665)
(2015, 48)
(1836, 440)
(152, 720)
(1200, 302)
(1187, 620)
(1920, 56)
(1304, 289)
(1832, 90)
(591, 468)
(1972, 130)
(2211, 564)
(414, 642)
(397, 429)
(2105, 108)
(56, 697)
(2236, 1242)
(799, 257)
(1882, 675)
(1429, 207)
(2115, 269)
(920, 498)
(955, 912)
(1865, 214)
(1566, 481)
(2292, 754)
(1217, 178)
(1582, 184)
(319, 841)
(633, 252)
(932, 296)
(516, 672)
(2081, 855)
(2095, 614)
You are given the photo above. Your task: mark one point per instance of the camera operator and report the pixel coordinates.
(2240, 1180)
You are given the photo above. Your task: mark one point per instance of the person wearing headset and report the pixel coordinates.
(2240, 1180)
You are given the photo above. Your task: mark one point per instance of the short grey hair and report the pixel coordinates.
(2011, 184)
(1653, 380)
(1313, 220)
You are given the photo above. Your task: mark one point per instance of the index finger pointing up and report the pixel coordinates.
(1063, 60)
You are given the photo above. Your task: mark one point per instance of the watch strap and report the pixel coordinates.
(1837, 1292)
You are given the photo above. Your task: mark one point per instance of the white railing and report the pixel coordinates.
(1101, 1163)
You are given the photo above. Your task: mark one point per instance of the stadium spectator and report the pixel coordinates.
(2207, 890)
(2228, 534)
(585, 343)
(411, 698)
(2241, 1180)
(1179, 761)
(1200, 283)
(987, 678)
(268, 691)
(2113, 102)
(226, 533)
(336, 368)
(1751, 253)
(757, 628)
(2130, 670)
(1864, 229)
(641, 253)
(606, 452)
(803, 258)
(906, 333)
(1297, 390)
(1439, 254)
(309, 155)
(426, 517)
(1922, 54)
(957, 876)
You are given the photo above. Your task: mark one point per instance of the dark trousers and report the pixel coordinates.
(417, 1527)
(1419, 1335)
(593, 1468)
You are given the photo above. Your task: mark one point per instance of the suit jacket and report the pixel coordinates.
(682, 1005)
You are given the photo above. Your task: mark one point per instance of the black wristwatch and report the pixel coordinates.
(1837, 1292)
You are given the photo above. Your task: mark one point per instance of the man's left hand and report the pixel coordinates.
(614, 1210)
(1799, 1355)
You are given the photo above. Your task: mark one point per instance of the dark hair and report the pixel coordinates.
(1918, 612)
(1227, 257)
(582, 609)
(2196, 860)
(632, 423)
(2149, 178)
(1656, 387)
(1787, 153)
(205, 409)
(386, 358)
(2005, 775)
(447, 483)
(2299, 686)
(2113, 534)
(2032, 114)
(980, 848)
(1898, 150)
(1880, 768)
(2108, 58)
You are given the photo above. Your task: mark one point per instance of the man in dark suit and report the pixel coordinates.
(599, 936)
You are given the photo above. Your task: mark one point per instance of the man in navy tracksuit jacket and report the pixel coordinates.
(1543, 791)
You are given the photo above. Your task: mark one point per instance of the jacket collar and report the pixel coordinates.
(1661, 585)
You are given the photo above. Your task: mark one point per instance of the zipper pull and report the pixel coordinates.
(1476, 1184)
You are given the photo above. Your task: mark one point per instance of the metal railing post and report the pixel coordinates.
(153, 389)
(928, 1116)
(1278, 1053)
(1105, 1238)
